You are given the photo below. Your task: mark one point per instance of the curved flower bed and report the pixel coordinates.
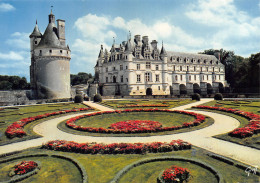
(128, 128)
(16, 128)
(24, 167)
(116, 148)
(142, 105)
(253, 127)
(175, 174)
(136, 125)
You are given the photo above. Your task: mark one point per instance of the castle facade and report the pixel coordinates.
(50, 61)
(138, 67)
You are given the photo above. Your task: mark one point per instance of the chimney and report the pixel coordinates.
(61, 31)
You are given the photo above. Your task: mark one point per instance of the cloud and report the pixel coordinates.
(19, 40)
(5, 7)
(11, 56)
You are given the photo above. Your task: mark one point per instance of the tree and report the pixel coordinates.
(80, 78)
(13, 83)
(5, 85)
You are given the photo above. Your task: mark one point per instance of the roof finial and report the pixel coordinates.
(162, 42)
(51, 9)
(101, 47)
(36, 21)
(129, 35)
(113, 40)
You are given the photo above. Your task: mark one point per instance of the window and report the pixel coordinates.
(60, 51)
(219, 77)
(180, 68)
(147, 55)
(121, 67)
(190, 78)
(40, 52)
(159, 88)
(213, 69)
(106, 79)
(35, 42)
(138, 78)
(174, 68)
(126, 57)
(201, 69)
(219, 70)
(50, 51)
(157, 67)
(148, 65)
(203, 77)
(67, 52)
(176, 78)
(156, 57)
(122, 79)
(138, 66)
(207, 69)
(181, 77)
(126, 67)
(114, 68)
(187, 68)
(147, 77)
(157, 77)
(106, 69)
(137, 88)
(195, 77)
(137, 55)
(207, 77)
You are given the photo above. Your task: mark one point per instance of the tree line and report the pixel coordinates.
(242, 74)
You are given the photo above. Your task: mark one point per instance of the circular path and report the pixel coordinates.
(201, 138)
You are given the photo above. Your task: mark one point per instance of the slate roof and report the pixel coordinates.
(50, 38)
(191, 55)
(36, 32)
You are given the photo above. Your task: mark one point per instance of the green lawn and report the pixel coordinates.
(172, 103)
(12, 114)
(166, 119)
(103, 168)
(250, 106)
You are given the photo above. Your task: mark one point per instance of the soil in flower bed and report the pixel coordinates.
(166, 119)
(149, 172)
(52, 170)
(11, 115)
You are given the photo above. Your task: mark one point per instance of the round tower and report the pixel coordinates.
(51, 62)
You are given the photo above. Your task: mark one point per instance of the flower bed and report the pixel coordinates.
(24, 167)
(142, 105)
(136, 125)
(175, 174)
(128, 128)
(16, 128)
(253, 127)
(116, 148)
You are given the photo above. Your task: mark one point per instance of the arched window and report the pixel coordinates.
(180, 68)
(176, 78)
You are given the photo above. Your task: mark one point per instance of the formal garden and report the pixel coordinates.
(166, 162)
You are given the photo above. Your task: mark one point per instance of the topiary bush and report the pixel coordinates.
(195, 96)
(218, 96)
(97, 98)
(78, 99)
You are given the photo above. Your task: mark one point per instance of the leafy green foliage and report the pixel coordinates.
(97, 98)
(13, 83)
(218, 96)
(195, 96)
(78, 99)
(80, 78)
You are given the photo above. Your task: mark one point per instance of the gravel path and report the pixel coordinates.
(201, 138)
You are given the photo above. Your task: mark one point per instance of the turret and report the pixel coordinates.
(163, 54)
(35, 37)
(51, 18)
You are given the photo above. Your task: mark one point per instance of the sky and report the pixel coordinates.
(183, 26)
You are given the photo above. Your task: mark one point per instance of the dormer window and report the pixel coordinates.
(156, 57)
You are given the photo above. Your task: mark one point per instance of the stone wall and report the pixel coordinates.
(15, 97)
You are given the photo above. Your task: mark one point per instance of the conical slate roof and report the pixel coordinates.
(163, 52)
(101, 53)
(50, 38)
(128, 46)
(36, 32)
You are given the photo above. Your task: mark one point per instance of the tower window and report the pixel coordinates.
(159, 88)
(138, 66)
(50, 51)
(121, 67)
(122, 79)
(148, 65)
(180, 68)
(35, 42)
(157, 77)
(40, 52)
(138, 78)
(60, 51)
(181, 77)
(176, 78)
(157, 67)
(147, 77)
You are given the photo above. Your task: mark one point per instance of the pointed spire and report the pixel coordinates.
(113, 46)
(36, 32)
(128, 46)
(163, 51)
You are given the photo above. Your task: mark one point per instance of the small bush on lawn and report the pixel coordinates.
(195, 96)
(78, 99)
(218, 96)
(86, 98)
(97, 98)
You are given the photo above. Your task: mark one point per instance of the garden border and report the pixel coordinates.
(65, 157)
(123, 171)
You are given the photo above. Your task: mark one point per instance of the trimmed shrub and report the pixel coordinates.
(86, 98)
(218, 96)
(78, 99)
(195, 96)
(97, 98)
